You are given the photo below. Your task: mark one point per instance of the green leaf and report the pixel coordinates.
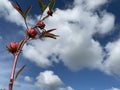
(41, 4)
(48, 4)
(52, 4)
(20, 70)
(27, 11)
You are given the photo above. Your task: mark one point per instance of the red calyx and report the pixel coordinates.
(31, 33)
(12, 47)
(41, 25)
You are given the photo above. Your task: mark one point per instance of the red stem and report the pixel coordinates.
(16, 55)
(13, 71)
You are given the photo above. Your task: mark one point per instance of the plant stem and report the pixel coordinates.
(16, 55)
(45, 17)
(26, 23)
(13, 71)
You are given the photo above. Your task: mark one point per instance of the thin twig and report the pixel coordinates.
(26, 24)
(45, 17)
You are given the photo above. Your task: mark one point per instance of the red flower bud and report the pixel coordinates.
(31, 32)
(50, 12)
(41, 25)
(12, 47)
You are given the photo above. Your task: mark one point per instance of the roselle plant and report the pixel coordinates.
(31, 33)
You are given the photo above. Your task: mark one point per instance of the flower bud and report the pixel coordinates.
(50, 12)
(41, 25)
(31, 32)
(12, 47)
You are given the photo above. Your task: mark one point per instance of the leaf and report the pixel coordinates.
(20, 70)
(50, 35)
(48, 4)
(52, 4)
(27, 11)
(18, 8)
(41, 4)
(50, 30)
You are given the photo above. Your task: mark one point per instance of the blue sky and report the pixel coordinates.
(84, 57)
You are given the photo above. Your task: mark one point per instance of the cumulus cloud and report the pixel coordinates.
(9, 13)
(107, 23)
(113, 88)
(27, 79)
(91, 4)
(113, 61)
(75, 46)
(34, 55)
(47, 80)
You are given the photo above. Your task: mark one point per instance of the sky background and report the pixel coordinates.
(86, 56)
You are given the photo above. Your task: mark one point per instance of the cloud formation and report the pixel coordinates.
(75, 47)
(113, 88)
(113, 61)
(47, 80)
(10, 14)
(27, 79)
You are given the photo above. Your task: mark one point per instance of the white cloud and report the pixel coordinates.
(35, 56)
(10, 14)
(113, 61)
(27, 79)
(67, 88)
(76, 47)
(107, 23)
(114, 88)
(47, 80)
(90, 4)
